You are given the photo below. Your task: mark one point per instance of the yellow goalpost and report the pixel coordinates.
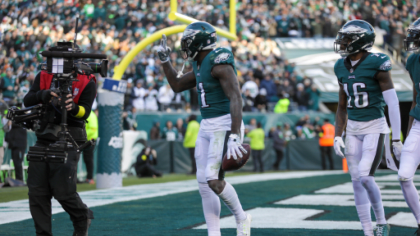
(174, 16)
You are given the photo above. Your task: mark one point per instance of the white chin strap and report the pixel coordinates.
(181, 72)
(195, 54)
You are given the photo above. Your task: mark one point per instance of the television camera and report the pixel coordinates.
(64, 62)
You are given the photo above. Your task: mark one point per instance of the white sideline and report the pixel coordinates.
(19, 210)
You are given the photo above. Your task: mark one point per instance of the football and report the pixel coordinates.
(232, 164)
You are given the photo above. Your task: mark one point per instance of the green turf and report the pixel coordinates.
(8, 194)
(176, 214)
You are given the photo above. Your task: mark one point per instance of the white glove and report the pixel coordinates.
(163, 50)
(396, 147)
(338, 144)
(234, 147)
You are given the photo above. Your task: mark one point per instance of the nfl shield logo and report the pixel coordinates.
(351, 70)
(76, 91)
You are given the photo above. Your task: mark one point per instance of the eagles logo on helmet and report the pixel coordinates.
(354, 36)
(198, 36)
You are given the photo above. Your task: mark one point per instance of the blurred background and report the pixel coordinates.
(284, 56)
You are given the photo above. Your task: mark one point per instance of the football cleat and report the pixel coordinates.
(244, 227)
(382, 230)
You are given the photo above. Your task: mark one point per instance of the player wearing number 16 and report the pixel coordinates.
(365, 88)
(221, 130)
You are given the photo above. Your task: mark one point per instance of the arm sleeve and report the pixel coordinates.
(391, 100)
(83, 108)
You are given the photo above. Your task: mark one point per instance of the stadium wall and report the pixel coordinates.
(145, 120)
(174, 158)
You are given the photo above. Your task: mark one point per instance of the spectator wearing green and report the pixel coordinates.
(92, 133)
(100, 12)
(89, 9)
(9, 92)
(5, 126)
(257, 137)
(169, 132)
(190, 138)
(313, 94)
(282, 106)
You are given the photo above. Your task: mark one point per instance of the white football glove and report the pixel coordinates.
(338, 144)
(234, 147)
(397, 147)
(163, 50)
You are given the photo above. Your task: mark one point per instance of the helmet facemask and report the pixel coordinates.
(343, 44)
(189, 51)
(412, 41)
(355, 36)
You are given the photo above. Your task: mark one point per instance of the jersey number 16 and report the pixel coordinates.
(357, 96)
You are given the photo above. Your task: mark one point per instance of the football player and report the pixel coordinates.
(365, 86)
(410, 156)
(222, 128)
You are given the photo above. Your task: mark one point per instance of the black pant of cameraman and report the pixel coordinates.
(58, 180)
(88, 155)
(17, 157)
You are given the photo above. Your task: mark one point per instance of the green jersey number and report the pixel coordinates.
(203, 96)
(357, 96)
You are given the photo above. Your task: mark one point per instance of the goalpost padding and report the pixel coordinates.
(110, 106)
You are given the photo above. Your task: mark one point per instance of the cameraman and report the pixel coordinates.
(146, 161)
(58, 180)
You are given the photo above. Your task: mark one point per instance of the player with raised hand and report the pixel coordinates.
(365, 87)
(221, 130)
(410, 156)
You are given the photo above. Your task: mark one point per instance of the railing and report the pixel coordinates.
(397, 57)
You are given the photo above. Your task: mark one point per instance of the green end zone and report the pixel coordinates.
(273, 203)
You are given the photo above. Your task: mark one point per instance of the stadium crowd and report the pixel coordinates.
(269, 82)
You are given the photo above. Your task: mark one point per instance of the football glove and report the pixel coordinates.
(338, 144)
(163, 50)
(397, 147)
(234, 147)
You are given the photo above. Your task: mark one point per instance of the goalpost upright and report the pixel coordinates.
(174, 16)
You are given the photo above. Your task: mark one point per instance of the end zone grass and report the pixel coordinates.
(8, 194)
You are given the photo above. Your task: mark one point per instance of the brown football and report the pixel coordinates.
(232, 164)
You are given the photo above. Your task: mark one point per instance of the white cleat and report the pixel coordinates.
(244, 227)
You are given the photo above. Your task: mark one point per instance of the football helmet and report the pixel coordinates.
(198, 36)
(354, 36)
(412, 41)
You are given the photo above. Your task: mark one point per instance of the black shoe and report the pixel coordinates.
(417, 233)
(81, 229)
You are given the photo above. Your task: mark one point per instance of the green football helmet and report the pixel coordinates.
(198, 36)
(412, 41)
(354, 36)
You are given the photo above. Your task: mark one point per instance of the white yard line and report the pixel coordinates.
(19, 210)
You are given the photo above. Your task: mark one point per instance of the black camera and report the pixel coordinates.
(65, 62)
(65, 58)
